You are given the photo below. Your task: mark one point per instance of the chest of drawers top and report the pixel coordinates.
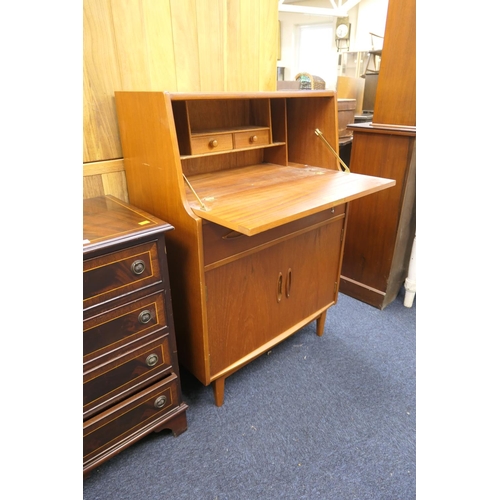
(107, 221)
(122, 252)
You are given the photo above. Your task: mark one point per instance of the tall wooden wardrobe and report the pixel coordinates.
(377, 251)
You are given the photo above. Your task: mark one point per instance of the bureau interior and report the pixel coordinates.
(228, 114)
(205, 116)
(290, 123)
(234, 175)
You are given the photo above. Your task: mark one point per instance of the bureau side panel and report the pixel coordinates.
(154, 177)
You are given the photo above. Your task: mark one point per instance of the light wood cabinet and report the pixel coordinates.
(259, 205)
(378, 256)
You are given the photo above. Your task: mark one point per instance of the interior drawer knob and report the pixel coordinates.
(213, 143)
(152, 359)
(254, 138)
(160, 401)
(138, 266)
(145, 316)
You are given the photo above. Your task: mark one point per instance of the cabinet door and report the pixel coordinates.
(311, 262)
(252, 300)
(242, 306)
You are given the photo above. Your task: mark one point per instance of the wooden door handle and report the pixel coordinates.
(288, 284)
(279, 288)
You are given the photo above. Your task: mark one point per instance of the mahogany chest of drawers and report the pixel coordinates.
(131, 383)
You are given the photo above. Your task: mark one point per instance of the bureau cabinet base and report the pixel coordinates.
(219, 383)
(175, 422)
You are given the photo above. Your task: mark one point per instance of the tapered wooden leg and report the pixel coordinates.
(218, 387)
(320, 324)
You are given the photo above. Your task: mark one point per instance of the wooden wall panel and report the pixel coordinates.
(211, 22)
(105, 177)
(114, 183)
(101, 76)
(128, 25)
(234, 56)
(92, 186)
(160, 42)
(193, 45)
(268, 39)
(185, 39)
(251, 45)
(249, 37)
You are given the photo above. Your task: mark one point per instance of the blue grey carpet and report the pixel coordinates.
(329, 417)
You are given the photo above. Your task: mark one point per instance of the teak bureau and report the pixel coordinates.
(259, 206)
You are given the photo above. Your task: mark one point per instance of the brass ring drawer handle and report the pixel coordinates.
(145, 316)
(160, 401)
(152, 359)
(138, 266)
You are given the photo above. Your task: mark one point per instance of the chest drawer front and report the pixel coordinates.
(211, 143)
(114, 329)
(220, 243)
(108, 430)
(113, 381)
(119, 273)
(251, 138)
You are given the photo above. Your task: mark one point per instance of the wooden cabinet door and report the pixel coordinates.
(252, 300)
(313, 261)
(242, 306)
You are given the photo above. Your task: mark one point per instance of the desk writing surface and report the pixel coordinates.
(259, 197)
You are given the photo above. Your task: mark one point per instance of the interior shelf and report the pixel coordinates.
(202, 155)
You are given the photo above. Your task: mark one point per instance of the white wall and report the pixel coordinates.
(368, 16)
(371, 18)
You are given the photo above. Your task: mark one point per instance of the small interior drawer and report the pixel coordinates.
(220, 243)
(251, 138)
(113, 329)
(113, 381)
(211, 143)
(118, 273)
(104, 433)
